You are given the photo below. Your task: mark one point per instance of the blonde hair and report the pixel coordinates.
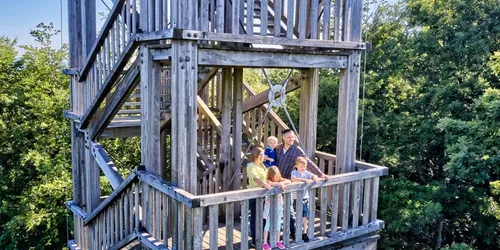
(273, 172)
(302, 160)
(254, 154)
(272, 138)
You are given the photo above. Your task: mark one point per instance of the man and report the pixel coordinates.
(287, 153)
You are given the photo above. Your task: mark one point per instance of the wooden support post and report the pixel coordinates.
(163, 154)
(237, 126)
(309, 111)
(226, 127)
(88, 26)
(150, 112)
(347, 125)
(184, 114)
(75, 34)
(77, 138)
(237, 133)
(92, 178)
(77, 163)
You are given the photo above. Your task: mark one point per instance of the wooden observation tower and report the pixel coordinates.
(173, 69)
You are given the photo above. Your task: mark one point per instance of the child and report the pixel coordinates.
(302, 175)
(274, 178)
(270, 154)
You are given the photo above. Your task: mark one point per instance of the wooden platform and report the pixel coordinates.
(237, 240)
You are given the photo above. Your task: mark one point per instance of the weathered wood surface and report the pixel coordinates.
(150, 111)
(269, 59)
(226, 105)
(184, 120)
(107, 86)
(107, 166)
(123, 89)
(101, 39)
(123, 187)
(236, 38)
(309, 93)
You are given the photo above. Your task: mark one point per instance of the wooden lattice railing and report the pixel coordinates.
(146, 208)
(109, 56)
(291, 19)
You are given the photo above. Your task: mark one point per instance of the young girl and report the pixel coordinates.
(273, 178)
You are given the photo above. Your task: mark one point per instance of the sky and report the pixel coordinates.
(19, 17)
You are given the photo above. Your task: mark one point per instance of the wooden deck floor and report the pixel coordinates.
(221, 232)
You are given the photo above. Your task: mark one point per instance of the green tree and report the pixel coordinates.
(34, 146)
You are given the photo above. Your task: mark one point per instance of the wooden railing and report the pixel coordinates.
(346, 208)
(224, 21)
(110, 54)
(148, 209)
(114, 222)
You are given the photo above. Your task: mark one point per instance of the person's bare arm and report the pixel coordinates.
(262, 183)
(295, 179)
(312, 167)
(280, 184)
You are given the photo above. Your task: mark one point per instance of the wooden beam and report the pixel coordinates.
(150, 241)
(204, 79)
(113, 104)
(150, 111)
(225, 136)
(349, 92)
(106, 165)
(342, 236)
(309, 111)
(237, 38)
(88, 26)
(348, 115)
(92, 178)
(70, 72)
(259, 59)
(184, 114)
(237, 130)
(77, 138)
(77, 210)
(77, 163)
(124, 241)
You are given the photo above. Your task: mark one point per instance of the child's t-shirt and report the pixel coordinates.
(269, 152)
(304, 175)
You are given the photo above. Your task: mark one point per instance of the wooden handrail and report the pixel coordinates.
(108, 24)
(115, 195)
(240, 195)
(108, 83)
(358, 164)
(173, 192)
(193, 201)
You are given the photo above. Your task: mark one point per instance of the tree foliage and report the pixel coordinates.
(34, 146)
(431, 115)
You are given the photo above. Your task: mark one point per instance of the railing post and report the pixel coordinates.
(309, 111)
(349, 91)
